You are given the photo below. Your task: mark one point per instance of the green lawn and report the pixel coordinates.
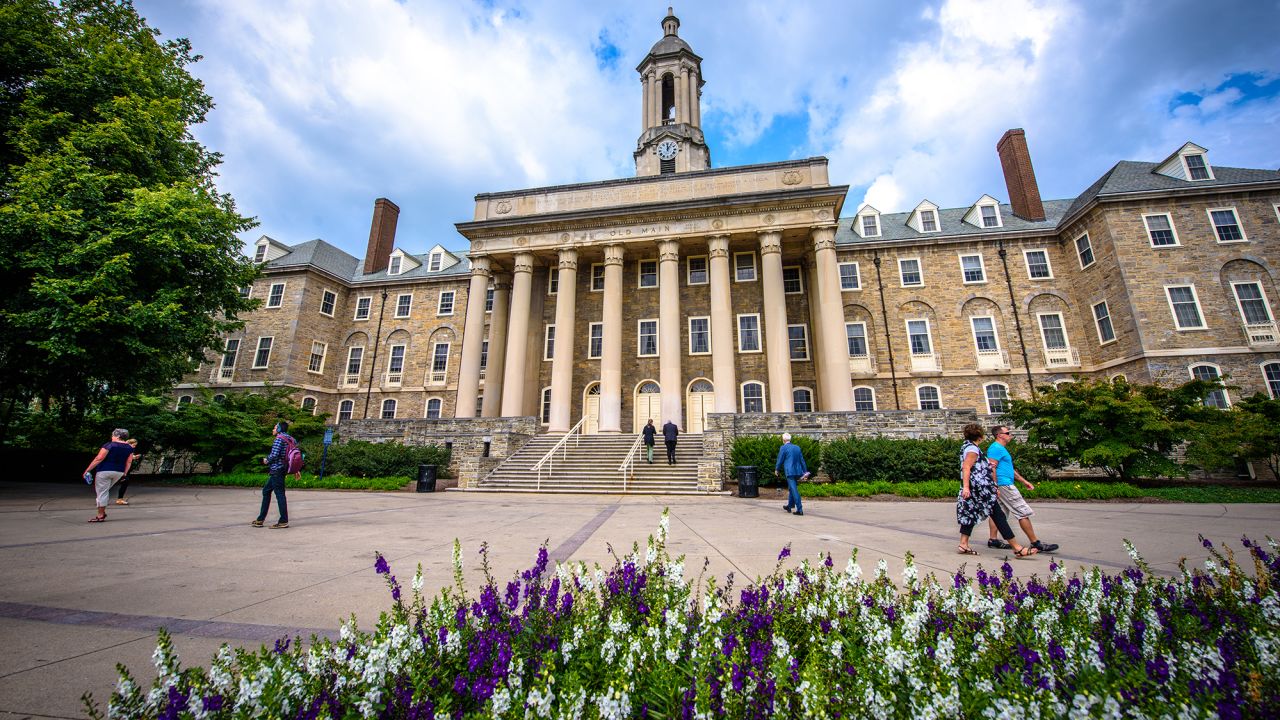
(330, 482)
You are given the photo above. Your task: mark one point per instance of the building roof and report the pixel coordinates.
(1127, 177)
(894, 227)
(326, 257)
(670, 44)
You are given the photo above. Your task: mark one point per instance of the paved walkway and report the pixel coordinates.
(77, 598)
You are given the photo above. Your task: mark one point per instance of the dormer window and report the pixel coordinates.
(433, 265)
(394, 267)
(928, 221)
(261, 253)
(870, 226)
(924, 218)
(985, 213)
(1197, 169)
(990, 216)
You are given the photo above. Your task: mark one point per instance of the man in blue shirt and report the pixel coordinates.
(1011, 499)
(791, 464)
(277, 462)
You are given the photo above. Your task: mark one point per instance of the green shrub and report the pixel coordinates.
(358, 458)
(891, 459)
(309, 481)
(762, 452)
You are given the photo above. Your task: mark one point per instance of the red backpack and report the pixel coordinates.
(292, 456)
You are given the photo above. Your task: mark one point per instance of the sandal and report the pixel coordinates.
(1025, 553)
(98, 518)
(122, 501)
(964, 550)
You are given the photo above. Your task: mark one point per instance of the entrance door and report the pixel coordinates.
(591, 409)
(702, 398)
(648, 405)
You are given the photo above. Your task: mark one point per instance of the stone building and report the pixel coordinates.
(689, 290)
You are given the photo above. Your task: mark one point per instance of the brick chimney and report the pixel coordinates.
(1019, 176)
(382, 235)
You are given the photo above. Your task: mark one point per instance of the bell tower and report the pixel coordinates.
(671, 118)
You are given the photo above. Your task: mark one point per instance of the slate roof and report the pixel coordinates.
(894, 227)
(1128, 176)
(334, 261)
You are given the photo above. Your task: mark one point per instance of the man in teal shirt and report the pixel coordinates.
(1007, 492)
(791, 464)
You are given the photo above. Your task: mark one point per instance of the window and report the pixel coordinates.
(648, 270)
(435, 262)
(856, 333)
(1102, 317)
(870, 226)
(792, 282)
(748, 333)
(445, 305)
(990, 216)
(928, 221)
(697, 270)
(1196, 167)
(549, 342)
(433, 408)
(1038, 264)
(1253, 304)
(928, 398)
(595, 340)
(1209, 373)
(404, 305)
(1051, 329)
(546, 406)
(395, 365)
(1085, 250)
(918, 337)
(597, 277)
(1226, 225)
(309, 404)
(1185, 306)
(260, 254)
(393, 268)
(276, 297)
(699, 335)
(553, 281)
(972, 270)
(327, 301)
(744, 267)
(798, 342)
(864, 399)
(362, 308)
(229, 358)
(344, 410)
(246, 291)
(484, 357)
(355, 357)
(184, 400)
(997, 398)
(849, 279)
(1160, 230)
(488, 300)
(263, 355)
(439, 362)
(909, 271)
(801, 400)
(1271, 373)
(752, 397)
(647, 338)
(984, 334)
(316, 363)
(389, 409)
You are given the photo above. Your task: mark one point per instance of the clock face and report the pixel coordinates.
(667, 149)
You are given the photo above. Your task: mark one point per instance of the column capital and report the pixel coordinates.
(718, 246)
(523, 263)
(501, 282)
(568, 259)
(770, 241)
(613, 255)
(669, 250)
(824, 237)
(480, 265)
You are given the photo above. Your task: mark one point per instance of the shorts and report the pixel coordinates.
(102, 482)
(1012, 503)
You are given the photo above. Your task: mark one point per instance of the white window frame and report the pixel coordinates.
(484, 357)
(1093, 257)
(435, 261)
(1186, 167)
(801, 388)
(227, 367)
(799, 277)
(544, 406)
(862, 225)
(592, 278)
(391, 357)
(260, 253)
(183, 400)
(388, 403)
(1146, 222)
(1026, 258)
(553, 281)
(755, 274)
(928, 334)
(333, 306)
(368, 311)
(1262, 367)
(426, 409)
(688, 269)
(920, 401)
(657, 274)
(246, 291)
(857, 276)
(1195, 297)
(986, 396)
(689, 325)
(395, 265)
(324, 353)
(488, 299)
(313, 400)
(453, 303)
(1044, 342)
(257, 350)
(1097, 322)
(982, 268)
(982, 219)
(937, 223)
(742, 396)
(346, 369)
(804, 333)
(1226, 396)
(640, 335)
(440, 376)
(1244, 237)
(346, 410)
(591, 336)
(408, 308)
(875, 405)
(1275, 207)
(759, 338)
(272, 297)
(902, 277)
(548, 341)
(1262, 291)
(866, 342)
(973, 330)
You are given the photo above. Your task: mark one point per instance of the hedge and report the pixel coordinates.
(358, 458)
(762, 452)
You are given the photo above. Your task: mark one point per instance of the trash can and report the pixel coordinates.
(426, 478)
(748, 481)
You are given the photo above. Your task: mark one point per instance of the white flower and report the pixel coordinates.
(501, 701)
(417, 581)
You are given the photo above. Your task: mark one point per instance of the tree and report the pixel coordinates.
(1127, 430)
(119, 258)
(1249, 431)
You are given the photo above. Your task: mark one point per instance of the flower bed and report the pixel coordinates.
(641, 639)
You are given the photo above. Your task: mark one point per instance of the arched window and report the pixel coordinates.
(433, 408)
(344, 410)
(752, 397)
(219, 398)
(928, 397)
(1209, 373)
(546, 406)
(701, 385)
(864, 399)
(309, 404)
(1271, 374)
(184, 400)
(802, 399)
(997, 398)
(389, 409)
(649, 387)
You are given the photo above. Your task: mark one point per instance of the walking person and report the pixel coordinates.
(123, 485)
(977, 498)
(106, 469)
(791, 464)
(669, 434)
(1007, 493)
(277, 463)
(649, 432)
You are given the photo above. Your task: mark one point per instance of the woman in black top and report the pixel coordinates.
(111, 464)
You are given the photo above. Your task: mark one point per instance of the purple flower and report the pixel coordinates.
(786, 553)
(1006, 570)
(380, 566)
(828, 562)
(1158, 670)
(213, 703)
(1205, 541)
(282, 645)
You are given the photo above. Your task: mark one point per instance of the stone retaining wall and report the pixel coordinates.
(466, 436)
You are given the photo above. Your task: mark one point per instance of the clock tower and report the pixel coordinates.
(671, 82)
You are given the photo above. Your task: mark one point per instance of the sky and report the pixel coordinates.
(322, 106)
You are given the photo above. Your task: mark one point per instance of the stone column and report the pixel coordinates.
(695, 99)
(685, 101)
(679, 96)
(723, 373)
(472, 337)
(777, 349)
(644, 104)
(669, 352)
(837, 390)
(816, 340)
(562, 358)
(611, 352)
(493, 375)
(655, 100)
(513, 390)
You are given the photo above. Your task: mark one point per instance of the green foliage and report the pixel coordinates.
(358, 458)
(119, 258)
(309, 481)
(892, 459)
(762, 452)
(1248, 431)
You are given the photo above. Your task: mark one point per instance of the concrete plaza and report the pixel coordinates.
(76, 598)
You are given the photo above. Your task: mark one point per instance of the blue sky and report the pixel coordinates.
(325, 105)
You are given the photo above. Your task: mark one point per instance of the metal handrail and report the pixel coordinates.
(628, 466)
(547, 460)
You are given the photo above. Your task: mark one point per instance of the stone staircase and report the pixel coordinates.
(589, 464)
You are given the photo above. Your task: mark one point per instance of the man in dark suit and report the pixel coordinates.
(669, 433)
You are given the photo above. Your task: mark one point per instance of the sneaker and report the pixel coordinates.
(256, 523)
(1044, 546)
(787, 508)
(280, 525)
(798, 512)
(998, 544)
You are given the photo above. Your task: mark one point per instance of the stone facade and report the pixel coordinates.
(477, 445)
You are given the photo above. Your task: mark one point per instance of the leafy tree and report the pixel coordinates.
(1127, 430)
(1249, 431)
(118, 256)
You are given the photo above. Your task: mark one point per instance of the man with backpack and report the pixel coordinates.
(284, 459)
